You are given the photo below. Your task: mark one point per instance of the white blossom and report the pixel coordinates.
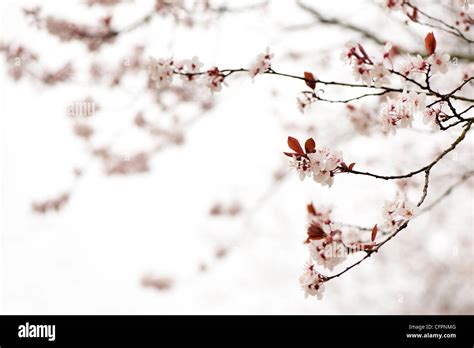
(328, 252)
(324, 164)
(418, 100)
(399, 112)
(321, 165)
(261, 64)
(348, 54)
(214, 79)
(312, 282)
(302, 165)
(304, 100)
(439, 62)
(412, 67)
(352, 236)
(362, 72)
(190, 68)
(379, 74)
(397, 212)
(430, 116)
(161, 70)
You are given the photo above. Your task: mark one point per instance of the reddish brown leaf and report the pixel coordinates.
(294, 144)
(414, 15)
(310, 208)
(430, 43)
(315, 232)
(374, 232)
(351, 166)
(289, 154)
(367, 247)
(310, 145)
(310, 80)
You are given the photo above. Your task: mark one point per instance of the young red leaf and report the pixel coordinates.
(430, 43)
(294, 144)
(351, 166)
(367, 247)
(310, 145)
(315, 232)
(374, 233)
(310, 80)
(414, 15)
(310, 208)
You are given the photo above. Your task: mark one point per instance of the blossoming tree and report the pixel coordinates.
(432, 84)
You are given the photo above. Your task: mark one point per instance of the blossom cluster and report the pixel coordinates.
(304, 100)
(261, 64)
(398, 211)
(376, 71)
(432, 115)
(330, 243)
(414, 67)
(312, 282)
(321, 164)
(368, 70)
(161, 70)
(190, 71)
(326, 247)
(399, 112)
(321, 238)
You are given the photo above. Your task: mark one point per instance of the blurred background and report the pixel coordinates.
(179, 201)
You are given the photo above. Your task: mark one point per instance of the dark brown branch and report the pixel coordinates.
(426, 167)
(364, 32)
(443, 25)
(386, 89)
(369, 253)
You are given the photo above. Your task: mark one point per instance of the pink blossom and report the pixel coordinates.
(190, 69)
(312, 282)
(439, 62)
(321, 165)
(304, 100)
(328, 252)
(397, 212)
(214, 79)
(161, 70)
(399, 112)
(430, 117)
(261, 64)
